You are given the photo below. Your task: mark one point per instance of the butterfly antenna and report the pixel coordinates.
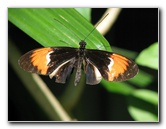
(96, 26)
(90, 31)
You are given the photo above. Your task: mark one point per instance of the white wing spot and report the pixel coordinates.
(48, 57)
(111, 64)
(97, 73)
(56, 70)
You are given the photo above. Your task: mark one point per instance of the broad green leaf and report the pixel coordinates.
(149, 57)
(56, 27)
(143, 105)
(86, 12)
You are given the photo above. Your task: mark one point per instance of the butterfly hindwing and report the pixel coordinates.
(93, 75)
(63, 71)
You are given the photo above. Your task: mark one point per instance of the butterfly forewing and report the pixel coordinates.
(112, 67)
(36, 61)
(56, 62)
(122, 68)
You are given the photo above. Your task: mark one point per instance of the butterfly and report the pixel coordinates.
(59, 62)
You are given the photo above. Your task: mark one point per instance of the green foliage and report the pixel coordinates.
(143, 105)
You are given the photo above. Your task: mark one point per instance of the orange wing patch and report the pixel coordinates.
(39, 59)
(119, 66)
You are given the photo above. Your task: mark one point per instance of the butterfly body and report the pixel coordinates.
(59, 62)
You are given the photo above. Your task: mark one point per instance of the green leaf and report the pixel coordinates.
(56, 27)
(143, 105)
(149, 57)
(86, 12)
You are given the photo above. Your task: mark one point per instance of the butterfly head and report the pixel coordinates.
(82, 44)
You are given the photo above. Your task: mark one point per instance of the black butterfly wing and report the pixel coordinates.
(111, 66)
(93, 75)
(58, 62)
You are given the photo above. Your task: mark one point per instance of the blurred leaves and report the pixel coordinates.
(149, 57)
(143, 105)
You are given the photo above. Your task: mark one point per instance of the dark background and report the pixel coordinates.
(135, 29)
